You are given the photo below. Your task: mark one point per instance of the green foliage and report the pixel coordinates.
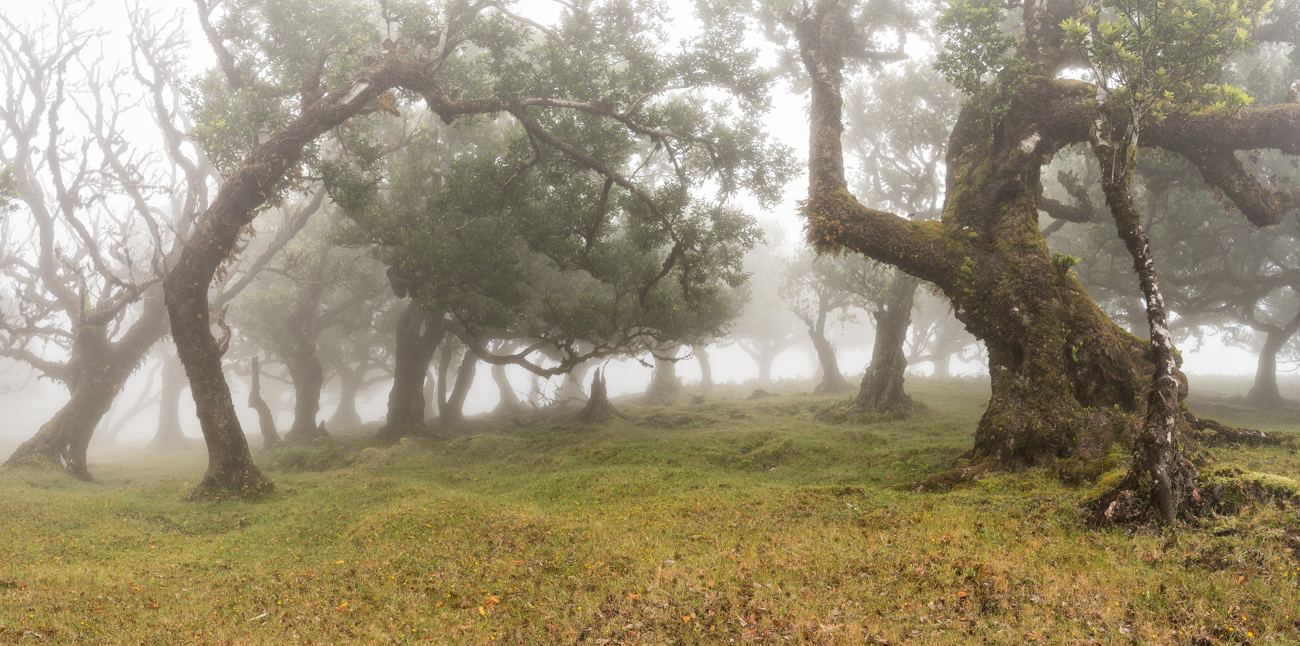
(8, 190)
(1162, 57)
(978, 56)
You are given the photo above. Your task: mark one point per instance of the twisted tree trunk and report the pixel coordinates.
(96, 372)
(833, 380)
(882, 385)
(453, 411)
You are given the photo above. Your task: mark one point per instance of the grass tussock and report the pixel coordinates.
(733, 521)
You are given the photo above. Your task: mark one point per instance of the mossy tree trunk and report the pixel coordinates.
(882, 385)
(418, 335)
(1066, 380)
(1164, 476)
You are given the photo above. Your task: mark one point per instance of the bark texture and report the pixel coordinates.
(1066, 380)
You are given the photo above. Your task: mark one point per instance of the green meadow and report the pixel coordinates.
(731, 521)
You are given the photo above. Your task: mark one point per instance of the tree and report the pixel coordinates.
(765, 327)
(100, 227)
(1064, 376)
(596, 68)
(813, 288)
(315, 286)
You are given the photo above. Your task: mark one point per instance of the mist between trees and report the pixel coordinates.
(377, 209)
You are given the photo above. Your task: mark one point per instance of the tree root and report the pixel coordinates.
(1214, 433)
(960, 476)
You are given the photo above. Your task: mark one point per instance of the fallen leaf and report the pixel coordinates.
(342, 606)
(492, 600)
(961, 594)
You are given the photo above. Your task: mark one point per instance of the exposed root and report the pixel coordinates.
(961, 475)
(1213, 433)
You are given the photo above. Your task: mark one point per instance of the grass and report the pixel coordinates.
(728, 522)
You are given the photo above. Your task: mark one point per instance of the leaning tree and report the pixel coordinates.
(1065, 378)
(289, 73)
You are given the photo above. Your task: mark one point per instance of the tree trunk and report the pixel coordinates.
(169, 433)
(231, 471)
(445, 358)
(1065, 379)
(346, 416)
(1264, 392)
(665, 385)
(833, 380)
(453, 411)
(571, 386)
(706, 367)
(598, 408)
(509, 402)
(265, 420)
(417, 338)
(98, 370)
(305, 369)
(63, 439)
(1165, 476)
(882, 385)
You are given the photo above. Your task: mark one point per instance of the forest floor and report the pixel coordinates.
(732, 521)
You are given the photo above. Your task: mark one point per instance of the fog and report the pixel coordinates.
(29, 400)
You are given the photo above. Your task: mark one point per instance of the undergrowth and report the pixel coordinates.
(727, 522)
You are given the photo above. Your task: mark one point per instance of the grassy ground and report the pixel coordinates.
(728, 522)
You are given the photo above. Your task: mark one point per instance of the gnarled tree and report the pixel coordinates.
(1065, 378)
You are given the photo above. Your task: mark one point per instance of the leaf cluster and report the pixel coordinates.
(1164, 57)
